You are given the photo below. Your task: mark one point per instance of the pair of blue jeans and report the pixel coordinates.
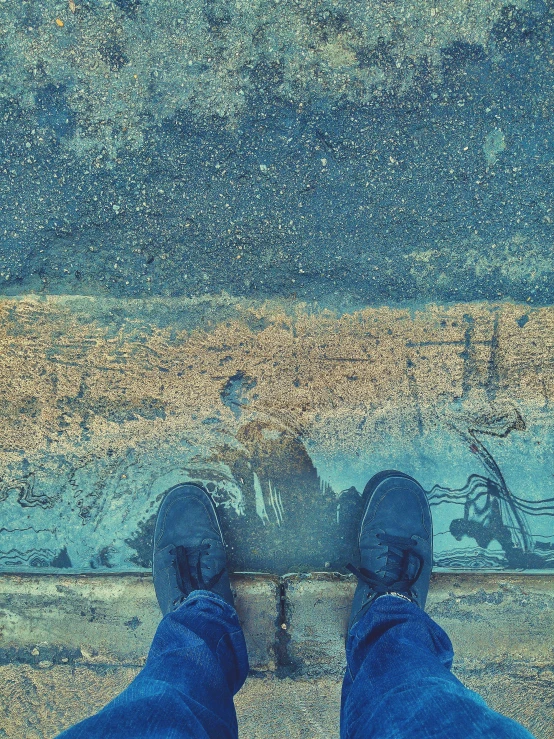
(397, 685)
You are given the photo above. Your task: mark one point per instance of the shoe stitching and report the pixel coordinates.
(375, 508)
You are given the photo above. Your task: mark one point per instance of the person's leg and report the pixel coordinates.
(198, 660)
(196, 664)
(398, 681)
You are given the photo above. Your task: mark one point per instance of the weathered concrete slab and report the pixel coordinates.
(502, 630)
(110, 621)
(285, 411)
(494, 621)
(39, 703)
(317, 610)
(501, 627)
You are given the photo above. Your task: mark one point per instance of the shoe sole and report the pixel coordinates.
(372, 486)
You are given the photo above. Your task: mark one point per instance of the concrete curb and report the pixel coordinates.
(294, 625)
(69, 644)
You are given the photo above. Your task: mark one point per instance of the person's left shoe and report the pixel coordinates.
(189, 551)
(396, 543)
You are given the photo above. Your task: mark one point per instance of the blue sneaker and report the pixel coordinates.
(189, 551)
(396, 542)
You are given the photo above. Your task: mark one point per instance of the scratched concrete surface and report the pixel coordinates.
(69, 644)
(284, 410)
(357, 155)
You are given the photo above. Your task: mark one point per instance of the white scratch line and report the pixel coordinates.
(272, 500)
(280, 502)
(260, 505)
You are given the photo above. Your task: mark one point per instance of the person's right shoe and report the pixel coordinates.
(396, 542)
(189, 551)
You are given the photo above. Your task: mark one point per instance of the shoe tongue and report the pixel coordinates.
(400, 564)
(193, 567)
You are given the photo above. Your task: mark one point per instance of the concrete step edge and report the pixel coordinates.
(294, 625)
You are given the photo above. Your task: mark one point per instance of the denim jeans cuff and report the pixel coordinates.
(195, 594)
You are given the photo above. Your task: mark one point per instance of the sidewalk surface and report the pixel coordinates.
(70, 644)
